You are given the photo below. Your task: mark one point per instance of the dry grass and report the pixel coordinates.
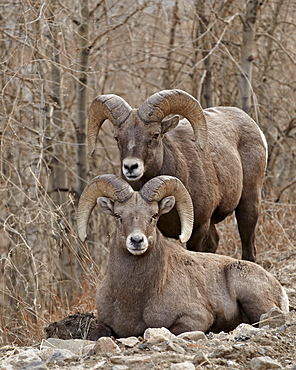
(46, 272)
(275, 232)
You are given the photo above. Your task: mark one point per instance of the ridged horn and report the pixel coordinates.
(165, 102)
(110, 186)
(103, 107)
(163, 186)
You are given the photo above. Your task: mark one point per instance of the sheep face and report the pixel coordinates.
(136, 220)
(141, 147)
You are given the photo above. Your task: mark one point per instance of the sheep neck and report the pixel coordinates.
(139, 274)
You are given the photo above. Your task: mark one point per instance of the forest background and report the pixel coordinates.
(56, 56)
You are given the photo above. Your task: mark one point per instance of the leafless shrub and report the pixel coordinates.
(46, 272)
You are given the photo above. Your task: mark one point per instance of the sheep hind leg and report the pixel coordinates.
(247, 217)
(101, 330)
(252, 310)
(211, 242)
(206, 241)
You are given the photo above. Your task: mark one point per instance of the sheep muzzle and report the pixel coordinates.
(132, 169)
(137, 243)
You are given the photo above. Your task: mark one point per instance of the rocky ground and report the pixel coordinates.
(268, 347)
(271, 346)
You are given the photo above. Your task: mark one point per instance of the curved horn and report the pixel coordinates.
(162, 186)
(109, 186)
(109, 106)
(165, 102)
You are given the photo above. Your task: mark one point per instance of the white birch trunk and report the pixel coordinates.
(247, 56)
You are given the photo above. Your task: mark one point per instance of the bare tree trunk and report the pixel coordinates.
(81, 96)
(66, 263)
(247, 52)
(270, 41)
(201, 33)
(168, 73)
(59, 175)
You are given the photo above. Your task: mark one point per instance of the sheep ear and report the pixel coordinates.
(106, 205)
(169, 124)
(166, 204)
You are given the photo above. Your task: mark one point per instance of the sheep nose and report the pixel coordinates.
(137, 241)
(131, 167)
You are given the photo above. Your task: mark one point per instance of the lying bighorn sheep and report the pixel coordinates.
(220, 158)
(152, 281)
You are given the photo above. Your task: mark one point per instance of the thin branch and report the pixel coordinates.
(288, 53)
(291, 183)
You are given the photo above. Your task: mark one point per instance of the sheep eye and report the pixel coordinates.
(117, 216)
(154, 217)
(116, 138)
(154, 137)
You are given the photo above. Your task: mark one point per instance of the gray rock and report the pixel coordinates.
(221, 351)
(106, 345)
(126, 360)
(244, 332)
(129, 342)
(273, 318)
(35, 365)
(173, 346)
(119, 367)
(45, 353)
(183, 366)
(152, 332)
(88, 350)
(61, 355)
(200, 358)
(73, 345)
(182, 342)
(98, 366)
(231, 364)
(26, 360)
(156, 339)
(193, 335)
(264, 363)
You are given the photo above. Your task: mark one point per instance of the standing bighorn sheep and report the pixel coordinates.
(220, 158)
(151, 281)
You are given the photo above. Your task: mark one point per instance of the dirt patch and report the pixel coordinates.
(76, 326)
